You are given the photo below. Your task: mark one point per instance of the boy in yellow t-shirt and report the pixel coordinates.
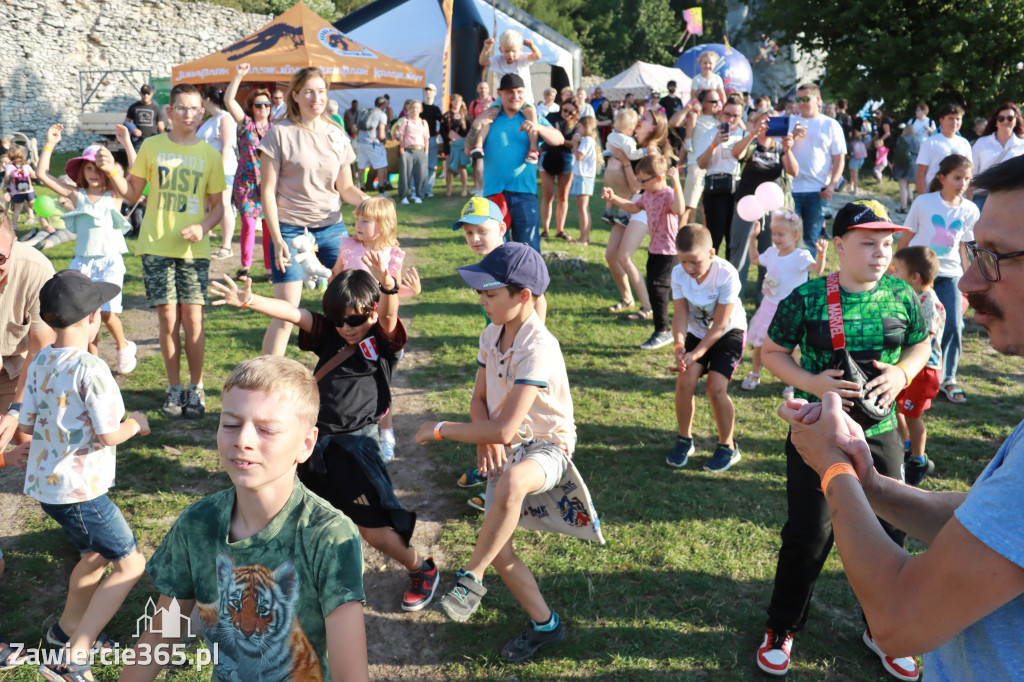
(185, 175)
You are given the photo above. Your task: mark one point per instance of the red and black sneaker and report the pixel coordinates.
(422, 584)
(773, 654)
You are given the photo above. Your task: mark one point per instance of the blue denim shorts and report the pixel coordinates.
(327, 240)
(96, 525)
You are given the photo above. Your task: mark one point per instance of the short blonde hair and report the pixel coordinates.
(381, 209)
(626, 118)
(280, 376)
(511, 38)
(708, 53)
(16, 154)
(785, 218)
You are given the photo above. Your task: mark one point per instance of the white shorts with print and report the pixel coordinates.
(553, 459)
(108, 269)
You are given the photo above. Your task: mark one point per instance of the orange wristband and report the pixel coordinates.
(836, 470)
(115, 173)
(437, 430)
(905, 372)
(678, 346)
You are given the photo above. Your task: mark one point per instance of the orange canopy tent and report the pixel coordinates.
(296, 39)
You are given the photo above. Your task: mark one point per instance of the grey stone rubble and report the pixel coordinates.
(44, 44)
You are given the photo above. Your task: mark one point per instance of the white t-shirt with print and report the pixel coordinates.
(722, 285)
(70, 398)
(521, 66)
(942, 227)
(815, 150)
(784, 273)
(935, 149)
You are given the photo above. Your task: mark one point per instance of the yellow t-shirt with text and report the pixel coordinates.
(180, 178)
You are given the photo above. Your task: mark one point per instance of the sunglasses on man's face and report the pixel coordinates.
(803, 99)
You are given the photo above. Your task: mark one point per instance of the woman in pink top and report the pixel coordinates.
(413, 137)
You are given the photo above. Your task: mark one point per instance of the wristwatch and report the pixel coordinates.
(14, 409)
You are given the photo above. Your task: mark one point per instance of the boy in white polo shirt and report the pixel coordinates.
(521, 397)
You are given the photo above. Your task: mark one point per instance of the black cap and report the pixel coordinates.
(863, 214)
(511, 80)
(70, 296)
(146, 90)
(512, 263)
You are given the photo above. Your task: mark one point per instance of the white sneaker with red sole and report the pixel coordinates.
(773, 654)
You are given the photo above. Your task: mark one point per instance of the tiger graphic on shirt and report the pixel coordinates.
(255, 626)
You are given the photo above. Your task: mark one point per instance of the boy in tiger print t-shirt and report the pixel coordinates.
(276, 571)
(884, 329)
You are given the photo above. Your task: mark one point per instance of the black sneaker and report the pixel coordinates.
(681, 452)
(173, 402)
(421, 588)
(463, 598)
(723, 458)
(525, 645)
(195, 403)
(914, 472)
(623, 219)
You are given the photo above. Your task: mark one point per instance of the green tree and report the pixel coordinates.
(965, 51)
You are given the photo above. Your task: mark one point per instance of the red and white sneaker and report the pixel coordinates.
(903, 668)
(773, 654)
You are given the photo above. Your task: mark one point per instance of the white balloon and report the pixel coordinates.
(770, 196)
(749, 208)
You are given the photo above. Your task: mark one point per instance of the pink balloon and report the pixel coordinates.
(749, 208)
(770, 195)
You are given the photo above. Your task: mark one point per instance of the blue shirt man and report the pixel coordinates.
(505, 168)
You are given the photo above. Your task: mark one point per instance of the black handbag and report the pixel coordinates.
(720, 183)
(867, 413)
(554, 162)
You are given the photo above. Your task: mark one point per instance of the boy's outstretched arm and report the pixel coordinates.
(144, 668)
(231, 294)
(346, 643)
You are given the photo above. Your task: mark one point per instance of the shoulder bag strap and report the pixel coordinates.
(329, 366)
(835, 312)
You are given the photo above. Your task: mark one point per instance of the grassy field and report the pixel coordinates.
(680, 589)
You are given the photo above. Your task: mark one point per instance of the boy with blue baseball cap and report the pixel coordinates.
(484, 227)
(521, 397)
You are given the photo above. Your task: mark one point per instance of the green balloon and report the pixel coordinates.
(45, 207)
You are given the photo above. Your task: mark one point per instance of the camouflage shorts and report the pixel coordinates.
(175, 280)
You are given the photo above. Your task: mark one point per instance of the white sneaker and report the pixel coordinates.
(126, 360)
(405, 200)
(788, 393)
(751, 382)
(417, 200)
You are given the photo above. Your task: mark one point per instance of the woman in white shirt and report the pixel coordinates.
(221, 131)
(1002, 140)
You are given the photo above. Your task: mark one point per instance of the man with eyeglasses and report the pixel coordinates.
(145, 119)
(696, 126)
(821, 155)
(278, 100)
(961, 600)
(23, 271)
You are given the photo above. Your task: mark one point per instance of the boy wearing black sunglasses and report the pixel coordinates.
(357, 340)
